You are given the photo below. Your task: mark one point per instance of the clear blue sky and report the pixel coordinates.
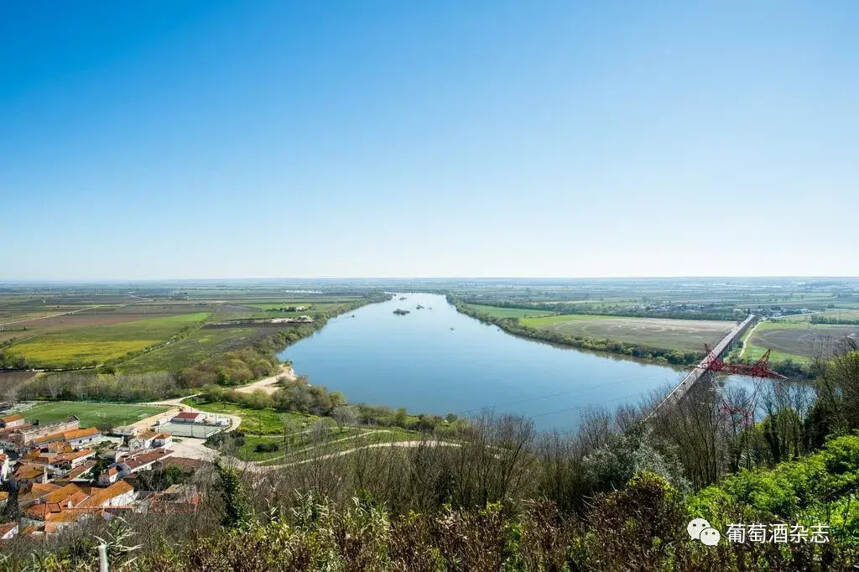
(277, 139)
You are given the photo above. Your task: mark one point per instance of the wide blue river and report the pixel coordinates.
(436, 360)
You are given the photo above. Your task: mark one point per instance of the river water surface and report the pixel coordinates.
(436, 360)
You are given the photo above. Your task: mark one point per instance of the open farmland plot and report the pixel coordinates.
(502, 312)
(799, 341)
(685, 335)
(97, 342)
(200, 345)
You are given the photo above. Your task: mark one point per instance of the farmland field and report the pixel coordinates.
(796, 340)
(90, 413)
(97, 343)
(500, 312)
(687, 335)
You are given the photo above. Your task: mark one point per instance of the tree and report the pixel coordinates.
(345, 415)
(237, 511)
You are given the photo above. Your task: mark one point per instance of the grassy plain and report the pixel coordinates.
(686, 335)
(259, 421)
(795, 339)
(90, 413)
(156, 328)
(501, 312)
(341, 440)
(96, 343)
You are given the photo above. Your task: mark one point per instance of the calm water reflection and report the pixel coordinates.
(437, 360)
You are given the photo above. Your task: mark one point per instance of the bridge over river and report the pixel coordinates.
(704, 366)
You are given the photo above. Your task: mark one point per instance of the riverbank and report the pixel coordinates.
(639, 352)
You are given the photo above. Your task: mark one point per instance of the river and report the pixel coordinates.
(436, 360)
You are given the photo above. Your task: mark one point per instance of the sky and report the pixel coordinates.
(209, 139)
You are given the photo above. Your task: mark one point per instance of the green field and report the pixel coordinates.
(340, 440)
(686, 335)
(196, 347)
(152, 327)
(794, 339)
(90, 413)
(258, 421)
(499, 312)
(97, 343)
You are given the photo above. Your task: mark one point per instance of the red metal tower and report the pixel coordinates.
(758, 369)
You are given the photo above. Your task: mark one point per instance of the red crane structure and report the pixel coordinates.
(759, 369)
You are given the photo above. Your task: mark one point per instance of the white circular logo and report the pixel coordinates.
(695, 526)
(710, 536)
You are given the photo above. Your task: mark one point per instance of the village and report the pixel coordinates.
(56, 475)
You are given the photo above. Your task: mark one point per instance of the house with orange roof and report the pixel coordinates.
(79, 437)
(34, 492)
(30, 473)
(120, 493)
(73, 459)
(140, 441)
(108, 476)
(15, 420)
(53, 502)
(82, 471)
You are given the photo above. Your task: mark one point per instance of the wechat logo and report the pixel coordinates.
(700, 529)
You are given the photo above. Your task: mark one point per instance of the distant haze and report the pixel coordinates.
(276, 139)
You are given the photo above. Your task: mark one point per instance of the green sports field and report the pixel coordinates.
(90, 413)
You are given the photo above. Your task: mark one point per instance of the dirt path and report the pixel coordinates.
(53, 315)
(269, 384)
(747, 337)
(407, 444)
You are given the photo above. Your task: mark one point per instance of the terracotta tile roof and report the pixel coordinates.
(71, 456)
(41, 510)
(163, 436)
(81, 469)
(187, 415)
(99, 497)
(11, 418)
(79, 433)
(27, 471)
(143, 459)
(37, 491)
(6, 527)
(46, 439)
